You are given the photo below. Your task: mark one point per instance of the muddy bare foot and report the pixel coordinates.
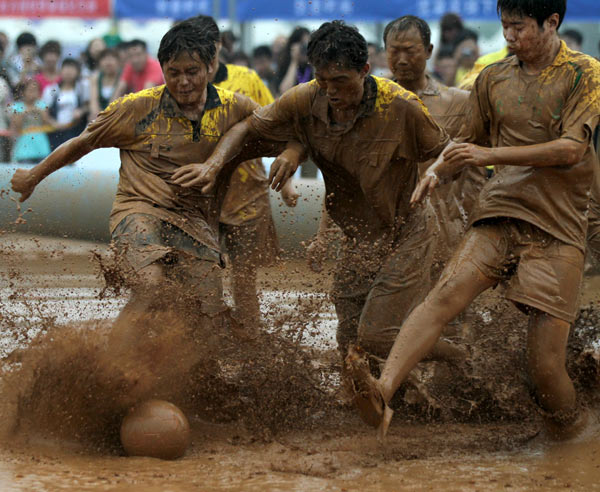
(367, 398)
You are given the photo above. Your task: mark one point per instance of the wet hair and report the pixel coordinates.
(187, 37)
(51, 46)
(137, 42)
(404, 23)
(108, 52)
(208, 26)
(539, 10)
(25, 39)
(336, 42)
(574, 34)
(262, 51)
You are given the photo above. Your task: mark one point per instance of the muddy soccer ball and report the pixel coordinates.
(155, 428)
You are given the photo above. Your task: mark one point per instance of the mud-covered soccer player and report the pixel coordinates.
(408, 46)
(532, 116)
(246, 223)
(167, 234)
(367, 136)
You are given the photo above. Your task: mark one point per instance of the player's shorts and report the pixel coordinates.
(143, 239)
(537, 270)
(253, 242)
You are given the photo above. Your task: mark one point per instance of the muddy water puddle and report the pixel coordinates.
(354, 461)
(337, 453)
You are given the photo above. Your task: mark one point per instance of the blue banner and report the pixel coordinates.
(353, 10)
(172, 9)
(374, 10)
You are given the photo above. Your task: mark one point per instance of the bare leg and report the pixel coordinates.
(546, 359)
(421, 330)
(143, 298)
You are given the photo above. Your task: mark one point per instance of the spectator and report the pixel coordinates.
(380, 66)
(240, 58)
(466, 52)
(262, 62)
(451, 25)
(372, 49)
(294, 68)
(29, 123)
(4, 41)
(50, 54)
(90, 56)
(444, 66)
(122, 48)
(103, 82)
(228, 42)
(141, 71)
(573, 39)
(26, 61)
(5, 98)
(7, 70)
(67, 103)
(278, 47)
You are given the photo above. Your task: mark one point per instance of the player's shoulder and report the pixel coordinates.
(231, 100)
(392, 96)
(579, 63)
(138, 100)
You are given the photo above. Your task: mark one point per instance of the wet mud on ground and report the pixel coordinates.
(449, 435)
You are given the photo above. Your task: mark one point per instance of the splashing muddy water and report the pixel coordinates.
(279, 430)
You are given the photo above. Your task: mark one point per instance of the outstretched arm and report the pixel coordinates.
(559, 152)
(24, 181)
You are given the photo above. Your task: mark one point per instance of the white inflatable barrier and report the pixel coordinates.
(75, 202)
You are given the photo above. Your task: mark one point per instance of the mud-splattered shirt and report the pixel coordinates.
(512, 108)
(155, 139)
(370, 164)
(249, 181)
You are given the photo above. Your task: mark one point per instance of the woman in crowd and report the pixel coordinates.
(104, 82)
(293, 67)
(29, 123)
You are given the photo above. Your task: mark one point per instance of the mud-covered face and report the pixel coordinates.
(407, 55)
(525, 38)
(343, 86)
(186, 77)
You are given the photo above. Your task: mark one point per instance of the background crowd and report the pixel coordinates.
(47, 96)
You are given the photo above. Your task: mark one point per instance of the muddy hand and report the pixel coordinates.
(195, 175)
(23, 182)
(466, 154)
(424, 188)
(282, 169)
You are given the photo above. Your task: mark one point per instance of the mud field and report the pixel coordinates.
(267, 413)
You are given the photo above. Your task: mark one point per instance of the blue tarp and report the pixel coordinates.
(352, 10)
